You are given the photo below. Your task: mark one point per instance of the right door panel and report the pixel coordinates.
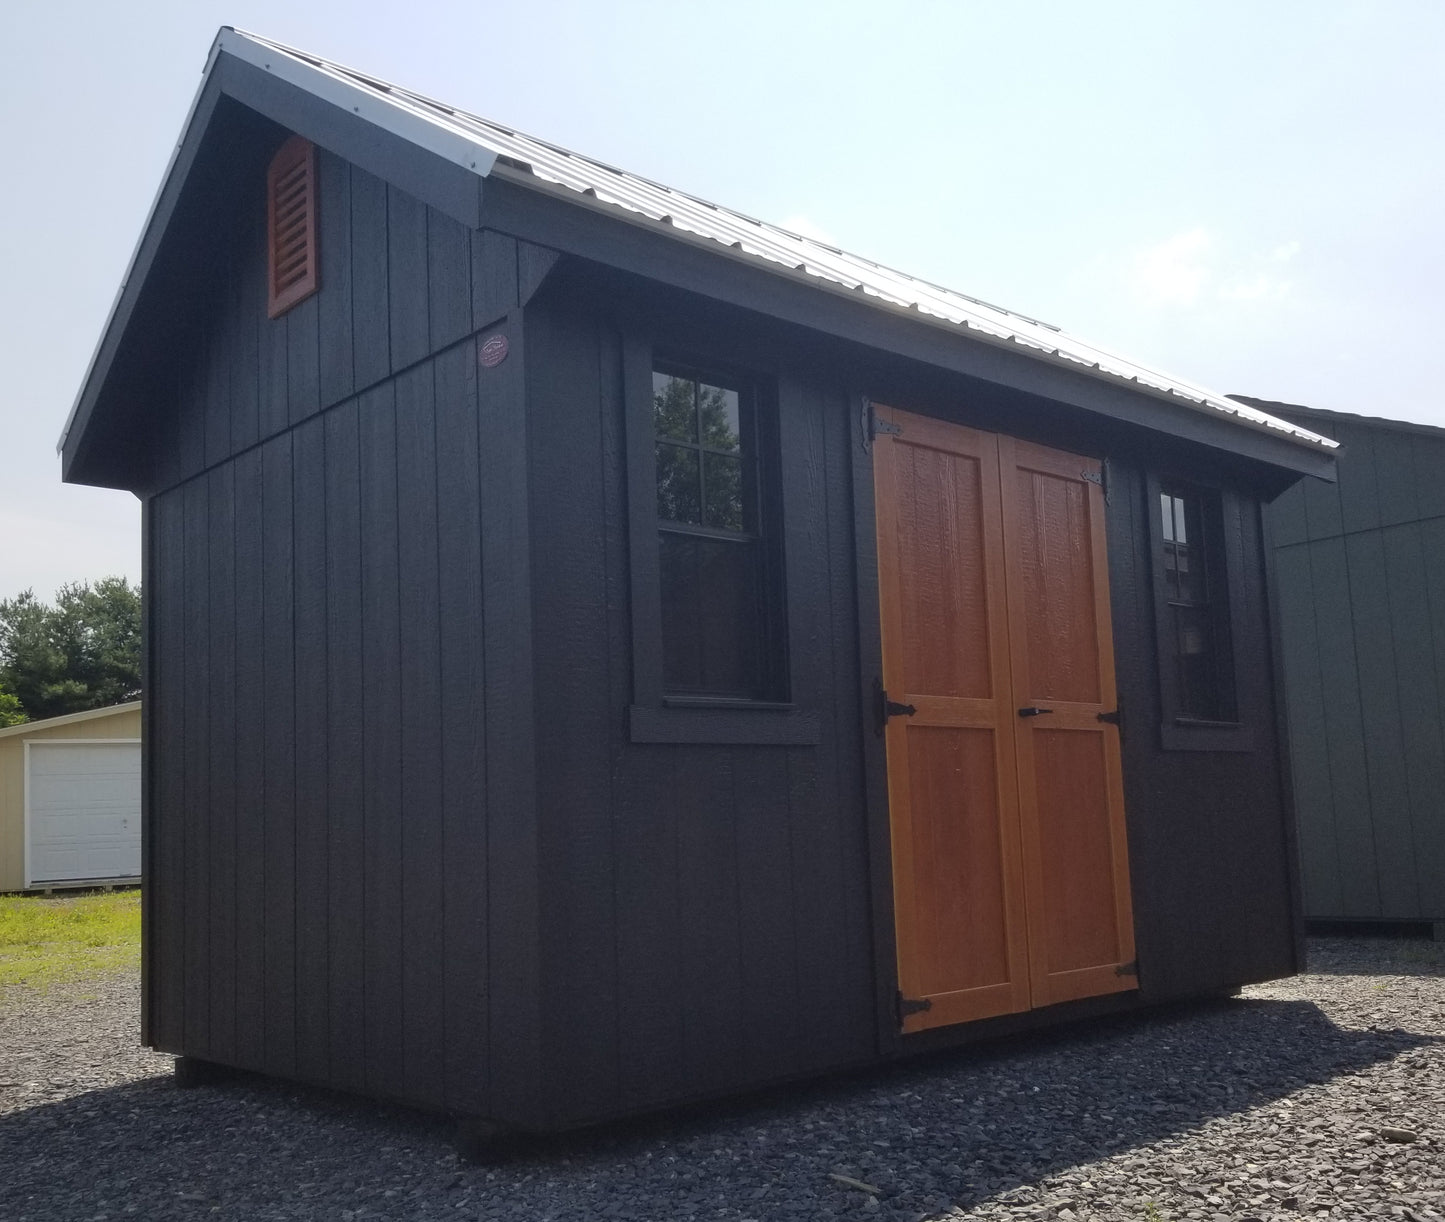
(1071, 802)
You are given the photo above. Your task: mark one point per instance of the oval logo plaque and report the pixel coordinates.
(494, 351)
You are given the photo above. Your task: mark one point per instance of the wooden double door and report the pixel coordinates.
(1010, 867)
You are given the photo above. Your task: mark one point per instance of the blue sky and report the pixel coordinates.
(1246, 195)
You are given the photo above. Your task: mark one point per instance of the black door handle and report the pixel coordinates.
(1033, 711)
(884, 708)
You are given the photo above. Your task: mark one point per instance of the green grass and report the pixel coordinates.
(45, 940)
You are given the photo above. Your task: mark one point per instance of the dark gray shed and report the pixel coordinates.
(604, 651)
(1359, 574)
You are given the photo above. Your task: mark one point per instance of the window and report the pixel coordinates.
(291, 257)
(710, 660)
(717, 597)
(1194, 616)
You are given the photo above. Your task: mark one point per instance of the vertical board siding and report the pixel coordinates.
(165, 826)
(1430, 816)
(406, 247)
(217, 364)
(370, 308)
(194, 814)
(1344, 726)
(278, 773)
(313, 815)
(221, 757)
(707, 925)
(1389, 801)
(396, 287)
(422, 846)
(449, 280)
(709, 986)
(1363, 635)
(244, 311)
(384, 999)
(253, 714)
(513, 962)
(1209, 860)
(303, 360)
(574, 721)
(274, 375)
(494, 277)
(345, 748)
(1314, 795)
(1422, 728)
(344, 910)
(829, 854)
(335, 374)
(463, 698)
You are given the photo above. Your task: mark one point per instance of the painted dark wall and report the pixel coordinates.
(1359, 570)
(411, 832)
(338, 630)
(718, 915)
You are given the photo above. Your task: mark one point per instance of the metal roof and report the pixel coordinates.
(1329, 415)
(489, 149)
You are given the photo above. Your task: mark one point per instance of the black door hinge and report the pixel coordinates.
(1116, 718)
(1128, 969)
(883, 708)
(1100, 477)
(911, 1005)
(875, 426)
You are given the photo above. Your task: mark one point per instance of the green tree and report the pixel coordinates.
(82, 653)
(11, 714)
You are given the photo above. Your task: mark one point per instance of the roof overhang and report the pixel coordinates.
(549, 196)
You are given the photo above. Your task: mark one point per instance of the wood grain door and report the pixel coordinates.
(1009, 865)
(1071, 793)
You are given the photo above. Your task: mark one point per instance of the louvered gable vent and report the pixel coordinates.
(291, 225)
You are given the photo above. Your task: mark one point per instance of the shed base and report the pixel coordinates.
(191, 1072)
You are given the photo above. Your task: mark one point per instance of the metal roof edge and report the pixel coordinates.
(365, 96)
(479, 147)
(1273, 406)
(1212, 407)
(426, 131)
(66, 719)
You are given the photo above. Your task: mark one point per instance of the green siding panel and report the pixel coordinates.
(1308, 747)
(1389, 794)
(1344, 729)
(1416, 626)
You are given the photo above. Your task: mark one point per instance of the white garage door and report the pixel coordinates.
(83, 811)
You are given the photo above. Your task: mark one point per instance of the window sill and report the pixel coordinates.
(741, 723)
(1188, 734)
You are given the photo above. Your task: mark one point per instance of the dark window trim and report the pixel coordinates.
(659, 716)
(1178, 732)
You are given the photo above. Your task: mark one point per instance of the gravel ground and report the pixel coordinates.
(1321, 1096)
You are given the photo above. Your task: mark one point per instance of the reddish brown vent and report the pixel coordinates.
(291, 225)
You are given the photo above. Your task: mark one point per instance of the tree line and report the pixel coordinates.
(80, 652)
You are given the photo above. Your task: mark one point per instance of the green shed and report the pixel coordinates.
(1359, 582)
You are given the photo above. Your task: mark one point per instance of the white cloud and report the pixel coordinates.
(1260, 287)
(1175, 271)
(1190, 268)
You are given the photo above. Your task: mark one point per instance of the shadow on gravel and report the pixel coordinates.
(948, 1130)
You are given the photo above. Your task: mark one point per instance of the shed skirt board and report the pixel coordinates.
(82, 811)
(1010, 867)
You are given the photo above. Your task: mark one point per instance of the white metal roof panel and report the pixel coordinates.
(489, 148)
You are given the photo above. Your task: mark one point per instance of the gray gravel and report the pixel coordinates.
(1321, 1096)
